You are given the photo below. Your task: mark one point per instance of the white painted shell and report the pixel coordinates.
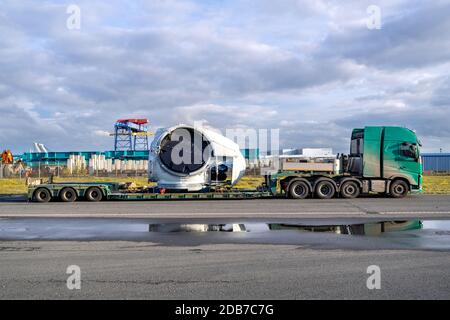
(222, 147)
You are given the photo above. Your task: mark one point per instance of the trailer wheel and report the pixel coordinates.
(350, 190)
(94, 194)
(325, 189)
(398, 189)
(68, 195)
(42, 195)
(299, 190)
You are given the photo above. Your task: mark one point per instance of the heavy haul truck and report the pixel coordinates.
(382, 160)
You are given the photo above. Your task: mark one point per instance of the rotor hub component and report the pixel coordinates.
(183, 158)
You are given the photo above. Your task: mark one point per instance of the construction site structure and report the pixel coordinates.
(131, 134)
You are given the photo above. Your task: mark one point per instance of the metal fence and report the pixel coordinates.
(42, 170)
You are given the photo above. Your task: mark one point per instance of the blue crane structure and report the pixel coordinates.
(131, 135)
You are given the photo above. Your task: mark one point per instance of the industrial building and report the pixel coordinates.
(60, 158)
(436, 162)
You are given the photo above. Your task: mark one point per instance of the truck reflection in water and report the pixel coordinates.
(370, 229)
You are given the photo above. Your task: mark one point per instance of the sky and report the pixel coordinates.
(312, 69)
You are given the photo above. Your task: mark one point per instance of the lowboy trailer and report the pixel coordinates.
(382, 159)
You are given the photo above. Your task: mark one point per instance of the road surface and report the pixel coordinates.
(120, 259)
(140, 270)
(418, 206)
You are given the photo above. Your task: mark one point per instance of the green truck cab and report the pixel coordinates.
(388, 158)
(382, 159)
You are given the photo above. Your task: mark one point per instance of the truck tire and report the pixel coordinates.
(68, 195)
(94, 194)
(299, 190)
(350, 189)
(42, 195)
(398, 189)
(325, 189)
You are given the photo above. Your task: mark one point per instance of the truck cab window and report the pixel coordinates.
(356, 147)
(409, 150)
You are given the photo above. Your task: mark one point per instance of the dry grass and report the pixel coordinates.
(431, 184)
(436, 184)
(12, 186)
(17, 186)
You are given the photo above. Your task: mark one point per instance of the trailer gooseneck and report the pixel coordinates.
(382, 159)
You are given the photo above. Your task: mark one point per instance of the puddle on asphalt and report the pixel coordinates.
(372, 229)
(352, 234)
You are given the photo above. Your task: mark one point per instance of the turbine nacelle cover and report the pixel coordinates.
(181, 157)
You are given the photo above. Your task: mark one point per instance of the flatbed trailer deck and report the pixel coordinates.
(69, 192)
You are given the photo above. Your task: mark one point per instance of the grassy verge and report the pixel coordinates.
(17, 186)
(12, 186)
(436, 184)
(431, 184)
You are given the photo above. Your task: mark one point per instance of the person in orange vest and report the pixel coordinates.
(10, 158)
(4, 157)
(7, 157)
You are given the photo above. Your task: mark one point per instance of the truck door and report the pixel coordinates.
(401, 156)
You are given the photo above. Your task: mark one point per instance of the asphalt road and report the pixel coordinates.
(130, 262)
(141, 270)
(418, 206)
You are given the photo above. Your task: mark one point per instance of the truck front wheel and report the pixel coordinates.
(325, 189)
(350, 190)
(94, 194)
(299, 190)
(398, 189)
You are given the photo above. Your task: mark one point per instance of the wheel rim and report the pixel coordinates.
(326, 189)
(299, 190)
(399, 189)
(43, 195)
(350, 189)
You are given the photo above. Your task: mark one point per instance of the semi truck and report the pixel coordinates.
(382, 159)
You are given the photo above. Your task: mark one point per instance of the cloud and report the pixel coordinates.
(410, 38)
(310, 68)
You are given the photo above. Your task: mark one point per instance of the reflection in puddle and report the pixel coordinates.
(177, 227)
(370, 229)
(324, 233)
(373, 228)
